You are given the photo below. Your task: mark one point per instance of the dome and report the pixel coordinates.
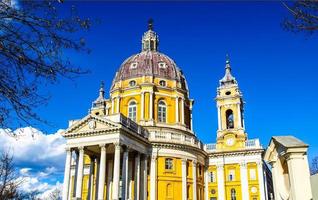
(150, 62)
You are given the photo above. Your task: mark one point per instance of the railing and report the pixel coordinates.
(254, 143)
(249, 144)
(130, 124)
(176, 138)
(210, 147)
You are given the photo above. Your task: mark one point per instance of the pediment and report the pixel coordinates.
(91, 123)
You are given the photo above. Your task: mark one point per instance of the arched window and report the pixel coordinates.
(233, 194)
(229, 119)
(169, 163)
(132, 110)
(162, 111)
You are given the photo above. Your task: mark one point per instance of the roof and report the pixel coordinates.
(289, 141)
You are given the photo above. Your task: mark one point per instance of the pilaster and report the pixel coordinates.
(244, 181)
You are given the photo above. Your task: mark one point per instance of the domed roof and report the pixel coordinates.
(152, 63)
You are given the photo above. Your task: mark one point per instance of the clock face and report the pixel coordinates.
(92, 124)
(230, 142)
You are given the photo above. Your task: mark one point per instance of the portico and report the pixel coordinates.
(116, 158)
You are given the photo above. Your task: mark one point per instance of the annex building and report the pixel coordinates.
(139, 143)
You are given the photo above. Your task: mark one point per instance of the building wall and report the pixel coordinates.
(314, 186)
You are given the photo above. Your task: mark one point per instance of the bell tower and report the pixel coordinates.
(231, 131)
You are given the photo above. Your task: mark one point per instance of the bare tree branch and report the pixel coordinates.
(304, 16)
(33, 40)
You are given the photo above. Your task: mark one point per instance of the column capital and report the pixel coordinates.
(259, 164)
(81, 148)
(153, 157)
(184, 161)
(220, 166)
(103, 147)
(243, 164)
(117, 144)
(194, 162)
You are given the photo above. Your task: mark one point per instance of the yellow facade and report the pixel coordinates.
(159, 101)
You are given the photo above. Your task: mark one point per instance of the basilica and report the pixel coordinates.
(139, 142)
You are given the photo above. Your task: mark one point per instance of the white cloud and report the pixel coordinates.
(31, 147)
(24, 171)
(39, 158)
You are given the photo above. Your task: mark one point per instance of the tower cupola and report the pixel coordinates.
(228, 79)
(150, 39)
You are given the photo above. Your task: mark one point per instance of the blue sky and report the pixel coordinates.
(276, 70)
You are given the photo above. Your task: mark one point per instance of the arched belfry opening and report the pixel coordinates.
(229, 119)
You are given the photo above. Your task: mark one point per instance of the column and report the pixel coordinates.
(130, 181)
(137, 176)
(153, 177)
(177, 109)
(79, 181)
(102, 172)
(299, 176)
(244, 181)
(124, 174)
(91, 178)
(142, 114)
(118, 104)
(219, 118)
(116, 172)
(239, 116)
(145, 177)
(206, 183)
(109, 180)
(67, 173)
(151, 105)
(182, 110)
(76, 173)
(194, 177)
(220, 180)
(113, 106)
(261, 181)
(184, 179)
(97, 176)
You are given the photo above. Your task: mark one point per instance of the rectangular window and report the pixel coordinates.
(169, 164)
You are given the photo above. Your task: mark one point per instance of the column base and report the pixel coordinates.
(77, 198)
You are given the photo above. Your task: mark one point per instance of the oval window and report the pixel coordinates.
(228, 93)
(162, 83)
(132, 83)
